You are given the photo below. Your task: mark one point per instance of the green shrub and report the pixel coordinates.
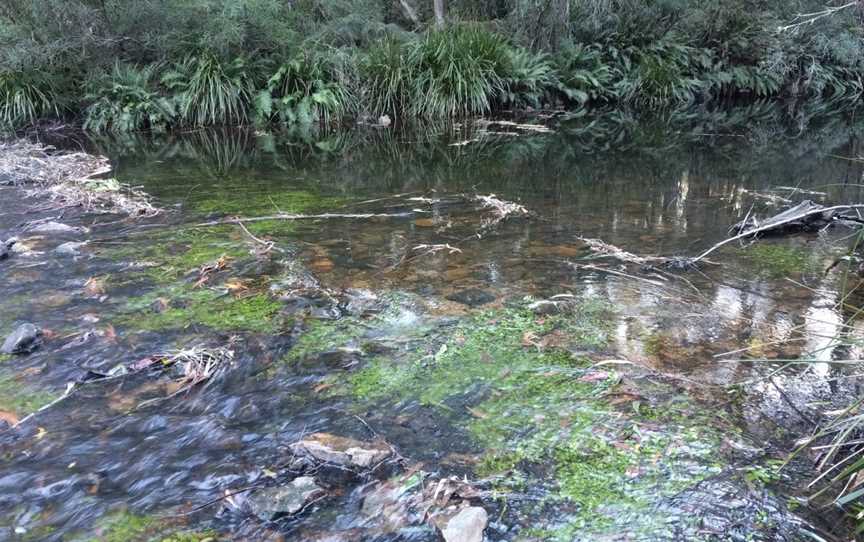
(208, 91)
(585, 75)
(125, 100)
(663, 74)
(25, 98)
(303, 90)
(457, 71)
(527, 79)
(387, 72)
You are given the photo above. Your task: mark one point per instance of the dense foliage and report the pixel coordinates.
(125, 65)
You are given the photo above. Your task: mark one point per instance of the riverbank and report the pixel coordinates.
(305, 66)
(204, 360)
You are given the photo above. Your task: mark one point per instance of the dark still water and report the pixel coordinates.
(569, 393)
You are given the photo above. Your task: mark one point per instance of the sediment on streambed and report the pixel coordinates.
(70, 179)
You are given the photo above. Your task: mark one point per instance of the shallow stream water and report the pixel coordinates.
(409, 323)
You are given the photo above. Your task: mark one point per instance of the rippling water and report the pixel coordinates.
(660, 188)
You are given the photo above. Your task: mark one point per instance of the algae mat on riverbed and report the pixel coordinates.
(548, 419)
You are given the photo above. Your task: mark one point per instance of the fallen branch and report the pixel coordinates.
(783, 219)
(285, 216)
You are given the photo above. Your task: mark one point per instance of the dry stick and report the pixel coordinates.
(303, 217)
(268, 245)
(772, 226)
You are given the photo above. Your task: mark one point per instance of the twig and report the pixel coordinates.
(283, 216)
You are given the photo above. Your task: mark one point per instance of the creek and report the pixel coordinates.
(638, 408)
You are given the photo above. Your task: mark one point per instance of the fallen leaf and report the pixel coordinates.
(109, 333)
(40, 433)
(594, 376)
(8, 417)
(477, 413)
(529, 338)
(322, 386)
(95, 286)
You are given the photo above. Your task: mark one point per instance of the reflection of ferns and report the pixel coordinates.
(25, 98)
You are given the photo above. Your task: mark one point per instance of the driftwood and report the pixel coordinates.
(804, 215)
(69, 179)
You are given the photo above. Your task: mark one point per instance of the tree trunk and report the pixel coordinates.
(409, 12)
(438, 6)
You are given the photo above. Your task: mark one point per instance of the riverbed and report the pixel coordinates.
(569, 395)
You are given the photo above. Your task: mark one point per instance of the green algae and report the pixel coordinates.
(16, 396)
(208, 307)
(265, 202)
(478, 354)
(5, 357)
(175, 252)
(524, 389)
(127, 527)
(321, 336)
(779, 261)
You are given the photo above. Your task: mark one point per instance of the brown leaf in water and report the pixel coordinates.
(109, 334)
(95, 286)
(621, 398)
(322, 386)
(8, 417)
(477, 413)
(236, 286)
(594, 376)
(49, 334)
(424, 222)
(322, 265)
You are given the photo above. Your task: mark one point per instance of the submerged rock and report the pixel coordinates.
(554, 305)
(70, 249)
(472, 297)
(342, 450)
(467, 525)
(53, 227)
(23, 340)
(272, 502)
(6, 247)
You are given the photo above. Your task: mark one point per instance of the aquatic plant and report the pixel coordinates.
(208, 91)
(126, 100)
